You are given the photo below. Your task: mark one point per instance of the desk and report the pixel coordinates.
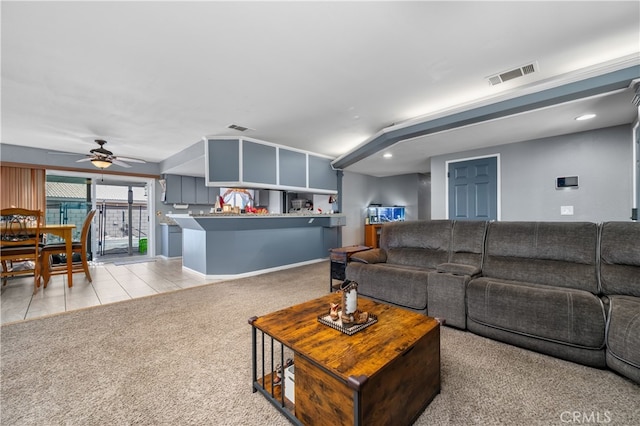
(65, 232)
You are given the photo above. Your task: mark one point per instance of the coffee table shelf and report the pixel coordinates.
(385, 374)
(265, 361)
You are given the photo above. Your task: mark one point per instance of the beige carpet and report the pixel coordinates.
(184, 358)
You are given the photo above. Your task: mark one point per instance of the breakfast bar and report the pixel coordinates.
(233, 245)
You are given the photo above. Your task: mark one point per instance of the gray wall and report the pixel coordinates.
(358, 191)
(424, 196)
(399, 190)
(601, 158)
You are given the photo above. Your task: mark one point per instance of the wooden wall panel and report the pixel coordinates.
(23, 187)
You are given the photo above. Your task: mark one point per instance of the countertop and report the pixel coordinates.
(253, 215)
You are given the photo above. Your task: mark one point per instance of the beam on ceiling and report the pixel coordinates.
(592, 86)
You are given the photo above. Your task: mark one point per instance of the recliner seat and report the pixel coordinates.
(539, 290)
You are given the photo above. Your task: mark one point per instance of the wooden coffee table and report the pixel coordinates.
(386, 373)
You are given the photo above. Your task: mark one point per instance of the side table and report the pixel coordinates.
(339, 258)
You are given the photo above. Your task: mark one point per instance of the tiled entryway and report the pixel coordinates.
(112, 282)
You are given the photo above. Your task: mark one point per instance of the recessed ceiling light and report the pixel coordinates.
(387, 155)
(585, 117)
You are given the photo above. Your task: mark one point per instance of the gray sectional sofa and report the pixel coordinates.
(397, 272)
(567, 289)
(620, 282)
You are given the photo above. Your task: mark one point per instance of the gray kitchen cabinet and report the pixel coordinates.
(173, 194)
(223, 156)
(171, 240)
(250, 163)
(321, 175)
(188, 190)
(259, 163)
(202, 192)
(293, 168)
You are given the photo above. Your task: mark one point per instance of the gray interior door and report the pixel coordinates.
(473, 189)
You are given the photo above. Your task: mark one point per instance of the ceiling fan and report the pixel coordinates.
(103, 158)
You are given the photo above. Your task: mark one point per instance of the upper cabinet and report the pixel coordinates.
(205, 194)
(173, 194)
(188, 190)
(317, 170)
(251, 163)
(259, 163)
(293, 168)
(222, 160)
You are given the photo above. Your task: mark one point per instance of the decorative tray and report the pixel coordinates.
(326, 320)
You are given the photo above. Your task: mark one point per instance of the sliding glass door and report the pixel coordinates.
(68, 200)
(123, 225)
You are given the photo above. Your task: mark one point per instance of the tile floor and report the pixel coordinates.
(111, 283)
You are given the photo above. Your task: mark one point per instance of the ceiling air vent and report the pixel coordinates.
(511, 74)
(239, 128)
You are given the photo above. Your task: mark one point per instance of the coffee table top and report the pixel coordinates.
(363, 353)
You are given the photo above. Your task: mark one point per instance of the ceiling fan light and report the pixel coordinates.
(101, 163)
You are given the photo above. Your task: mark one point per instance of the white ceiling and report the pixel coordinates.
(154, 77)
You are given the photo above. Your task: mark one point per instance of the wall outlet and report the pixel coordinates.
(566, 210)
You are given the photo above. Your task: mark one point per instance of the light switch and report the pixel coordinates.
(566, 210)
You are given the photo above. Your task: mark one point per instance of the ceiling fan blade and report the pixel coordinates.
(120, 163)
(62, 153)
(103, 154)
(131, 160)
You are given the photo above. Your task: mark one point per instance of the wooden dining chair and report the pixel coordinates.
(20, 243)
(80, 247)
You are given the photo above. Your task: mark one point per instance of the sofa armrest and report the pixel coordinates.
(370, 256)
(458, 269)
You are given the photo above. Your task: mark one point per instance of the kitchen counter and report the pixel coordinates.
(223, 245)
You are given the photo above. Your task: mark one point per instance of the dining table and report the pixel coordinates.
(64, 231)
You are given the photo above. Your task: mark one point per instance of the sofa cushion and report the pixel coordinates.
(623, 330)
(620, 258)
(416, 257)
(467, 242)
(370, 256)
(561, 254)
(568, 316)
(401, 285)
(417, 243)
